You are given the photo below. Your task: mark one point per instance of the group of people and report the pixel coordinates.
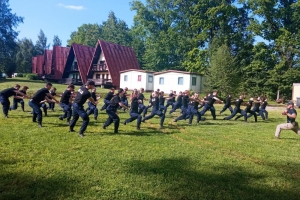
(72, 105)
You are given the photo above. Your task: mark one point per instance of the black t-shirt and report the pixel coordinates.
(211, 100)
(8, 92)
(141, 97)
(40, 95)
(185, 100)
(179, 99)
(109, 96)
(23, 91)
(195, 104)
(289, 119)
(114, 102)
(238, 103)
(82, 95)
(53, 94)
(264, 105)
(161, 100)
(171, 97)
(93, 94)
(155, 102)
(65, 97)
(249, 105)
(228, 101)
(124, 97)
(135, 104)
(256, 106)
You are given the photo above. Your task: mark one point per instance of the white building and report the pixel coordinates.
(178, 81)
(296, 91)
(134, 78)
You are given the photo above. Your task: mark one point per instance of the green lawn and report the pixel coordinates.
(214, 160)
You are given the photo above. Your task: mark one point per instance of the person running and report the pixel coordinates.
(66, 103)
(291, 124)
(262, 110)
(171, 100)
(82, 96)
(35, 103)
(194, 109)
(19, 99)
(248, 110)
(92, 108)
(134, 111)
(237, 108)
(255, 107)
(142, 98)
(111, 111)
(52, 104)
(108, 97)
(210, 104)
(4, 97)
(155, 110)
(227, 104)
(178, 103)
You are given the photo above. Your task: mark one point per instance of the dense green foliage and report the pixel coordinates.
(216, 159)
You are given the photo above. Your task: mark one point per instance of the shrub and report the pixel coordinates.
(32, 77)
(20, 75)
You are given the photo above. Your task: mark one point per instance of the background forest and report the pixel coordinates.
(247, 46)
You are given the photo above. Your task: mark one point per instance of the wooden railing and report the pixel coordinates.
(101, 81)
(99, 67)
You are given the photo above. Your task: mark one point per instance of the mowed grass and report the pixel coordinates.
(214, 160)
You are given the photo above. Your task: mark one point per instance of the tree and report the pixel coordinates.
(56, 41)
(87, 34)
(41, 44)
(24, 55)
(8, 21)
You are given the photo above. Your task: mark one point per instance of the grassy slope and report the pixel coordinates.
(215, 160)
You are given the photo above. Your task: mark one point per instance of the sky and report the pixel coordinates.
(62, 17)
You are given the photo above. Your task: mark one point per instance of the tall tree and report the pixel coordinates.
(8, 21)
(56, 41)
(87, 34)
(24, 55)
(41, 43)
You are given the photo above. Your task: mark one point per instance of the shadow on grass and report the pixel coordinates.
(30, 186)
(177, 180)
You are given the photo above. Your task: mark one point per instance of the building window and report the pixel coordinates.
(97, 76)
(161, 80)
(125, 77)
(180, 80)
(150, 79)
(139, 77)
(194, 81)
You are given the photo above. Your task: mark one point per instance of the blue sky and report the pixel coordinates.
(61, 17)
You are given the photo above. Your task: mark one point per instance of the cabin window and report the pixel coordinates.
(125, 77)
(139, 77)
(161, 80)
(194, 81)
(150, 79)
(97, 76)
(180, 80)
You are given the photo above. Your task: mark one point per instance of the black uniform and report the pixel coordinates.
(177, 104)
(16, 101)
(107, 99)
(66, 105)
(35, 104)
(134, 113)
(236, 110)
(156, 111)
(4, 99)
(111, 110)
(52, 104)
(247, 110)
(227, 105)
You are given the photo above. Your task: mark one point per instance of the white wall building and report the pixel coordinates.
(134, 78)
(178, 81)
(296, 91)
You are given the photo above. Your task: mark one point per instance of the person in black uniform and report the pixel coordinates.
(262, 110)
(35, 102)
(124, 98)
(178, 103)
(82, 95)
(108, 97)
(155, 110)
(227, 104)
(52, 104)
(185, 106)
(210, 104)
(248, 110)
(111, 110)
(193, 109)
(66, 103)
(142, 98)
(255, 107)
(237, 108)
(134, 111)
(4, 98)
(145, 111)
(92, 108)
(170, 100)
(19, 99)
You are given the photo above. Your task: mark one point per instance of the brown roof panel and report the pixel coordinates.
(48, 61)
(39, 65)
(60, 55)
(33, 64)
(117, 57)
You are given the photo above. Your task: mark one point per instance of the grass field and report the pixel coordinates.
(214, 160)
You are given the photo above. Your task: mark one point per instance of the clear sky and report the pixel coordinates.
(61, 17)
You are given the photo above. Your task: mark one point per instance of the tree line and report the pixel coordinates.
(249, 46)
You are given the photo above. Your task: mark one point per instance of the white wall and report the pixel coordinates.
(296, 91)
(133, 80)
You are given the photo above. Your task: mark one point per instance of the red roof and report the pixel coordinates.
(117, 58)
(48, 61)
(33, 64)
(83, 55)
(60, 55)
(39, 65)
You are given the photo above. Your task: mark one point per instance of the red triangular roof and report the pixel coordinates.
(48, 61)
(39, 65)
(117, 58)
(60, 55)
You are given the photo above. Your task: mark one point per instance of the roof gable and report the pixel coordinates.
(33, 64)
(60, 56)
(48, 61)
